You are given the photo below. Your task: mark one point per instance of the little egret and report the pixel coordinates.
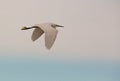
(50, 32)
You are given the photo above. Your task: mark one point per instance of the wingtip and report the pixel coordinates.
(32, 39)
(48, 48)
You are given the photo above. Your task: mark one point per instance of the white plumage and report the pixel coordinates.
(50, 32)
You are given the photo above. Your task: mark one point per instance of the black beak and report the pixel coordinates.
(59, 26)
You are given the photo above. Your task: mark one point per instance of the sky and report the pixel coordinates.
(39, 70)
(91, 28)
(90, 33)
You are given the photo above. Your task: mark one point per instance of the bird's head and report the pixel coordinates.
(56, 25)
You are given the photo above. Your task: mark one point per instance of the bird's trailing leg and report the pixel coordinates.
(25, 28)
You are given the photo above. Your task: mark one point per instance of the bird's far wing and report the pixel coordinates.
(36, 34)
(50, 37)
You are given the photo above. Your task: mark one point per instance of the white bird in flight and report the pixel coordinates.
(50, 32)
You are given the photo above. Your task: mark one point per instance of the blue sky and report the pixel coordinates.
(27, 69)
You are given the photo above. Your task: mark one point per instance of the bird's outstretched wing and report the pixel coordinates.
(36, 34)
(50, 37)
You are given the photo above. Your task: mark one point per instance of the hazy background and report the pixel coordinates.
(92, 27)
(91, 33)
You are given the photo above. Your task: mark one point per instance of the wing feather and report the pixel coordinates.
(36, 34)
(50, 37)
